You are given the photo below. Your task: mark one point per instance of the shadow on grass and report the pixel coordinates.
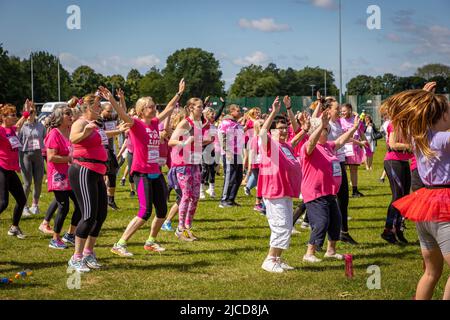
(367, 207)
(369, 219)
(164, 266)
(238, 228)
(414, 245)
(31, 266)
(237, 237)
(21, 285)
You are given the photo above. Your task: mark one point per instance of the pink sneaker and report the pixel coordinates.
(45, 229)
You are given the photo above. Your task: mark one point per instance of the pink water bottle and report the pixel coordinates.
(348, 265)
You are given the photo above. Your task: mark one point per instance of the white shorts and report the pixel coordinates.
(279, 213)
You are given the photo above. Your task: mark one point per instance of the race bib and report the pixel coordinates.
(153, 154)
(33, 144)
(60, 181)
(110, 125)
(348, 149)
(14, 142)
(337, 169)
(288, 154)
(104, 137)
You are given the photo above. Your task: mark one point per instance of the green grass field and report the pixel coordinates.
(224, 264)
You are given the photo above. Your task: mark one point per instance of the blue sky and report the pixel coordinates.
(116, 36)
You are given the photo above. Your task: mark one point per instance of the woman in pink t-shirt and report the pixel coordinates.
(322, 173)
(396, 165)
(86, 179)
(278, 183)
(150, 184)
(187, 143)
(59, 157)
(9, 165)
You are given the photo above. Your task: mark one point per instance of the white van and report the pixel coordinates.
(48, 108)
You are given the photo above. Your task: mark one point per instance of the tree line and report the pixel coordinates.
(204, 78)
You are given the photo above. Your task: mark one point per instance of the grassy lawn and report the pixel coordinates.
(224, 264)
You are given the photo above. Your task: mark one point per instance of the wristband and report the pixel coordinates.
(26, 114)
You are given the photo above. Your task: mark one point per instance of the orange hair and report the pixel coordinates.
(412, 113)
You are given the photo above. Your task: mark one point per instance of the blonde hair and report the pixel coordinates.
(232, 107)
(412, 114)
(176, 119)
(142, 103)
(190, 102)
(88, 102)
(252, 113)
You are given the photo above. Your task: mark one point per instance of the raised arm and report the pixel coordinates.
(121, 95)
(276, 106)
(106, 94)
(219, 113)
(26, 111)
(346, 137)
(172, 103)
(180, 131)
(291, 115)
(306, 124)
(312, 142)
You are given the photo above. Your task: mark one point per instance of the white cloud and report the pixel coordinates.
(256, 58)
(109, 65)
(393, 37)
(264, 25)
(325, 4)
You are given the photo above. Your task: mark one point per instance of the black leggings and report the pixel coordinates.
(129, 163)
(342, 198)
(90, 192)
(399, 176)
(10, 183)
(62, 202)
(208, 173)
(151, 192)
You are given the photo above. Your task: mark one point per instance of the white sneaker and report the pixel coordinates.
(34, 210)
(26, 212)
(202, 194)
(311, 258)
(272, 266)
(336, 256)
(295, 231)
(284, 265)
(211, 193)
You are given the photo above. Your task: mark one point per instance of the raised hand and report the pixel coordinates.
(325, 118)
(305, 121)
(181, 86)
(318, 95)
(120, 94)
(287, 102)
(124, 127)
(430, 86)
(206, 100)
(276, 106)
(222, 100)
(357, 121)
(105, 93)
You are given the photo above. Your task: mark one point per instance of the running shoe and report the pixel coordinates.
(259, 207)
(273, 266)
(247, 191)
(34, 210)
(381, 180)
(389, 236)
(335, 255)
(295, 231)
(79, 265)
(68, 238)
(121, 250)
(191, 234)
(357, 194)
(202, 194)
(57, 244)
(26, 212)
(401, 237)
(153, 246)
(305, 225)
(235, 204)
(45, 228)
(113, 205)
(91, 261)
(122, 182)
(347, 238)
(211, 193)
(311, 258)
(225, 204)
(183, 235)
(15, 231)
(167, 226)
(284, 265)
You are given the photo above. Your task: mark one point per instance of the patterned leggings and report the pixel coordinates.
(189, 179)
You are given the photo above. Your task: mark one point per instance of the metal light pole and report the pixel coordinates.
(59, 83)
(32, 80)
(312, 91)
(340, 52)
(325, 83)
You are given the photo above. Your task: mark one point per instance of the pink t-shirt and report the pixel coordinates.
(393, 155)
(255, 147)
(145, 140)
(57, 173)
(279, 173)
(321, 172)
(413, 164)
(91, 148)
(9, 149)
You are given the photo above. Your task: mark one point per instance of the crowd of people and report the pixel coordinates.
(285, 156)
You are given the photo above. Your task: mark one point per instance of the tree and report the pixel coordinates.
(245, 82)
(85, 81)
(200, 70)
(384, 85)
(132, 86)
(15, 79)
(360, 85)
(153, 84)
(45, 76)
(315, 76)
(408, 83)
(433, 70)
(115, 82)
